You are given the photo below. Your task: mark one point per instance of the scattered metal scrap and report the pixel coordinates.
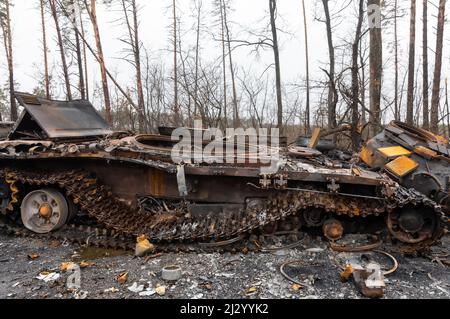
(353, 249)
(295, 281)
(369, 279)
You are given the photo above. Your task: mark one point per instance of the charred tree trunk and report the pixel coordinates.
(61, 49)
(308, 107)
(437, 69)
(276, 53)
(332, 98)
(101, 59)
(44, 44)
(425, 109)
(411, 65)
(376, 73)
(356, 137)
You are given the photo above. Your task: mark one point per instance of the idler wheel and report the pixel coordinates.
(44, 210)
(413, 224)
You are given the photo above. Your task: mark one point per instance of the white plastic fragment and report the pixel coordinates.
(48, 277)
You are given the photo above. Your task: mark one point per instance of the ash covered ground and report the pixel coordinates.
(252, 275)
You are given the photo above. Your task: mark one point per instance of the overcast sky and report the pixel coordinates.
(247, 15)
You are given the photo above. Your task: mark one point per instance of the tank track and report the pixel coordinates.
(168, 225)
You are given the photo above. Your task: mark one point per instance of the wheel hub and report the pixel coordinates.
(411, 222)
(45, 211)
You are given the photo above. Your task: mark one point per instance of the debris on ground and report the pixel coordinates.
(347, 273)
(160, 290)
(67, 266)
(33, 256)
(136, 288)
(251, 291)
(369, 280)
(85, 264)
(171, 273)
(48, 276)
(122, 278)
(220, 275)
(144, 247)
(111, 290)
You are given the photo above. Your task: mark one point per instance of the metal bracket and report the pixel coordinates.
(265, 182)
(334, 187)
(181, 180)
(280, 182)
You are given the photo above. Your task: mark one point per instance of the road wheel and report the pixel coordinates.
(45, 210)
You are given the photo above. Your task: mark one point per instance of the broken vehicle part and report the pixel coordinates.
(171, 273)
(413, 157)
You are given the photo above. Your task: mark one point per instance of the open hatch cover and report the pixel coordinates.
(44, 118)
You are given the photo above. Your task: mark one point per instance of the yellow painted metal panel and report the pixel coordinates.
(394, 151)
(402, 166)
(367, 156)
(425, 152)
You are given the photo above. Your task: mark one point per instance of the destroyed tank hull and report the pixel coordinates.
(61, 159)
(413, 157)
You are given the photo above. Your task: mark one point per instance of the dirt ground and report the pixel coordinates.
(254, 275)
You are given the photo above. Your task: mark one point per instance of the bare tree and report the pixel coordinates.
(396, 100)
(197, 55)
(95, 54)
(130, 8)
(62, 50)
(45, 49)
(82, 34)
(79, 55)
(92, 11)
(376, 70)
(363, 80)
(220, 5)
(276, 53)
(308, 90)
(411, 65)
(425, 109)
(5, 21)
(176, 106)
(355, 81)
(236, 120)
(332, 96)
(437, 69)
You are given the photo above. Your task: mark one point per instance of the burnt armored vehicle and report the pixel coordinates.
(413, 157)
(62, 159)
